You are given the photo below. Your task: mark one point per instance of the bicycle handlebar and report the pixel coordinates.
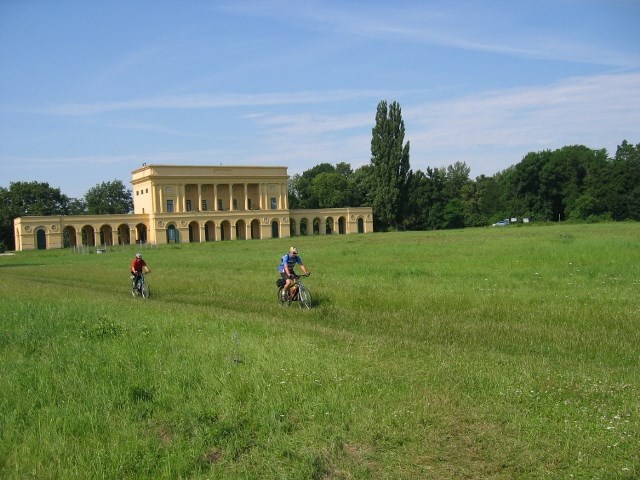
(298, 276)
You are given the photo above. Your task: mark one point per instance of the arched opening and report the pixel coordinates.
(68, 237)
(88, 236)
(275, 229)
(316, 226)
(41, 239)
(360, 225)
(292, 227)
(106, 235)
(194, 232)
(255, 230)
(173, 235)
(241, 230)
(124, 237)
(141, 232)
(209, 231)
(329, 226)
(342, 226)
(303, 226)
(225, 230)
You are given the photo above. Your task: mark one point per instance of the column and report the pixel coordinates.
(215, 197)
(178, 202)
(161, 209)
(286, 196)
(154, 200)
(199, 209)
(281, 198)
(246, 198)
(231, 197)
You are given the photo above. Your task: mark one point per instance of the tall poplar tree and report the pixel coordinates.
(390, 170)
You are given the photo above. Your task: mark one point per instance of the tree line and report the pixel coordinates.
(570, 183)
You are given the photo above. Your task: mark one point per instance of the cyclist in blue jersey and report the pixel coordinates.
(289, 261)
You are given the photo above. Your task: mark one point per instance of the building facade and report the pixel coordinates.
(181, 204)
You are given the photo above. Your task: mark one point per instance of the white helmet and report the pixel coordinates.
(138, 255)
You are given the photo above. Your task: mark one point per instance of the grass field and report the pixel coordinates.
(491, 353)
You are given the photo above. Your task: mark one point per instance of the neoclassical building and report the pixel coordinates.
(180, 204)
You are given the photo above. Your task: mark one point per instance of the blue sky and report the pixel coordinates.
(90, 90)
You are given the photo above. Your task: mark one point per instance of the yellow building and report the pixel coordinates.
(180, 204)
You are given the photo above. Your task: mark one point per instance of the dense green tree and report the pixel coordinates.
(390, 168)
(437, 198)
(344, 169)
(623, 199)
(419, 202)
(300, 186)
(454, 214)
(76, 206)
(457, 177)
(109, 198)
(526, 187)
(360, 184)
(294, 201)
(584, 207)
(331, 190)
(563, 177)
(485, 202)
(470, 205)
(28, 199)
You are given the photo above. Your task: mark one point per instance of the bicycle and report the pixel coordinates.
(141, 287)
(301, 293)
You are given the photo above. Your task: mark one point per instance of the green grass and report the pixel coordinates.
(480, 353)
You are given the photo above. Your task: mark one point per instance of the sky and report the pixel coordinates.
(90, 90)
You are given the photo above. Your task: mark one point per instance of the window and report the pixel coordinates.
(235, 203)
(169, 206)
(274, 203)
(219, 204)
(188, 205)
(137, 193)
(249, 203)
(204, 205)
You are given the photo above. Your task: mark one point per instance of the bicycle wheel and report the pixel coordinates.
(281, 297)
(305, 298)
(134, 291)
(145, 291)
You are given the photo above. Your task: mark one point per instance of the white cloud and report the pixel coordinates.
(574, 107)
(205, 101)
